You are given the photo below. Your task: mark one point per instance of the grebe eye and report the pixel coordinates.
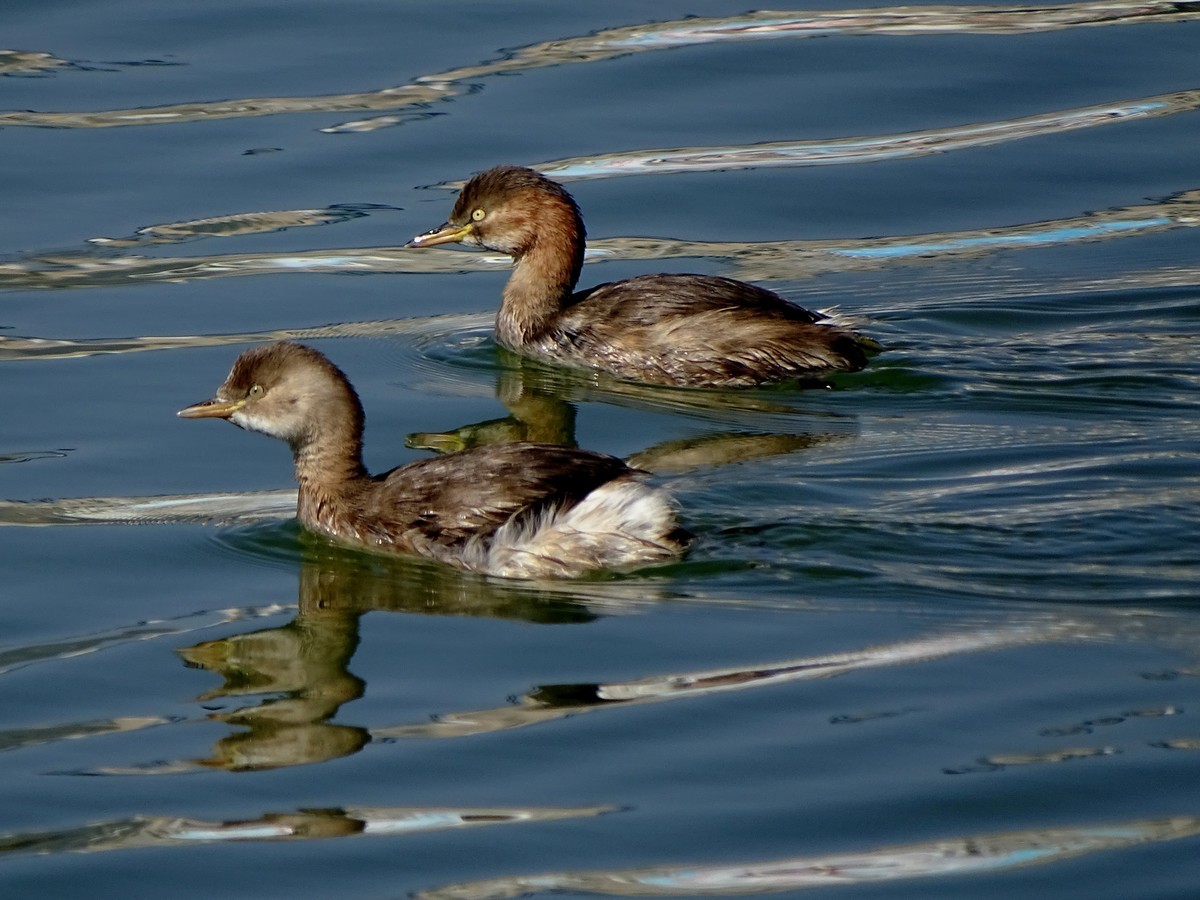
(478, 215)
(256, 391)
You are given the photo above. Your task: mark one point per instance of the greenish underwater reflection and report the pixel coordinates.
(541, 404)
(298, 674)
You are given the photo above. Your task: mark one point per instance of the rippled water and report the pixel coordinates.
(939, 636)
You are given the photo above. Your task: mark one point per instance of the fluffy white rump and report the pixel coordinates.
(621, 525)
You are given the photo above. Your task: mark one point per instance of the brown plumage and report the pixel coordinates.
(521, 510)
(685, 330)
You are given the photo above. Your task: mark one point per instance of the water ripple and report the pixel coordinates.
(553, 702)
(209, 509)
(141, 832)
(756, 261)
(31, 348)
(29, 62)
(408, 102)
(973, 855)
(18, 657)
(866, 149)
(241, 224)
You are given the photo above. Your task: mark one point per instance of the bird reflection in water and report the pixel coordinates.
(299, 673)
(303, 667)
(541, 407)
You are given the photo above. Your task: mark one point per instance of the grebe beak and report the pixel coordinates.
(446, 233)
(211, 409)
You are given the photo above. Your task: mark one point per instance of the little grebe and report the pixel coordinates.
(519, 510)
(684, 330)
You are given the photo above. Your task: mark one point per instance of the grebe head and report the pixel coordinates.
(287, 391)
(504, 209)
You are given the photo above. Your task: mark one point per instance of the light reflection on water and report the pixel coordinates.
(864, 149)
(758, 261)
(142, 832)
(606, 45)
(982, 853)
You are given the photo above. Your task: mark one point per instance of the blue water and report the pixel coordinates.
(940, 633)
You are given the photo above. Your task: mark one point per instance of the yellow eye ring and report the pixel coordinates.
(478, 215)
(256, 391)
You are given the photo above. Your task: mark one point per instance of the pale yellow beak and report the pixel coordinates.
(446, 233)
(211, 409)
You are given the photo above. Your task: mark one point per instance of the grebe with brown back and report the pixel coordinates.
(682, 330)
(518, 510)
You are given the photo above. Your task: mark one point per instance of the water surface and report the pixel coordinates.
(939, 634)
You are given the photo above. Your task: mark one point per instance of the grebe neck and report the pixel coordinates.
(329, 459)
(544, 275)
